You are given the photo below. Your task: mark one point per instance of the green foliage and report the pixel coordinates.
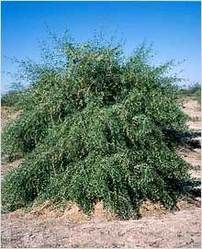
(97, 126)
(193, 91)
(11, 98)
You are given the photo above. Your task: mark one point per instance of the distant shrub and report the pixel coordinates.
(10, 98)
(97, 127)
(193, 91)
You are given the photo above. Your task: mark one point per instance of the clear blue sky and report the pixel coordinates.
(173, 27)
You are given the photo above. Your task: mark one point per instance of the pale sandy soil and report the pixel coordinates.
(193, 156)
(181, 229)
(7, 115)
(193, 110)
(46, 227)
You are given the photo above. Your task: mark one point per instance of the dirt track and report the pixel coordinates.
(44, 228)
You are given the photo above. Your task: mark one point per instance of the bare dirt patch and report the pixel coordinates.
(7, 115)
(180, 229)
(193, 156)
(6, 167)
(193, 109)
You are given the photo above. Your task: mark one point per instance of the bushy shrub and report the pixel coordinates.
(97, 127)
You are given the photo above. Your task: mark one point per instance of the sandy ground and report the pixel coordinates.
(193, 156)
(181, 229)
(193, 110)
(45, 227)
(7, 115)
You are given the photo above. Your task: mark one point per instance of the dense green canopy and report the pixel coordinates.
(97, 127)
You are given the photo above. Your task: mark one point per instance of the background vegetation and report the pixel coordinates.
(193, 91)
(10, 98)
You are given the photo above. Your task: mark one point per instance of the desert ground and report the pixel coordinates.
(45, 226)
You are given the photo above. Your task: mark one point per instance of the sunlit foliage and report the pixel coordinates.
(96, 126)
